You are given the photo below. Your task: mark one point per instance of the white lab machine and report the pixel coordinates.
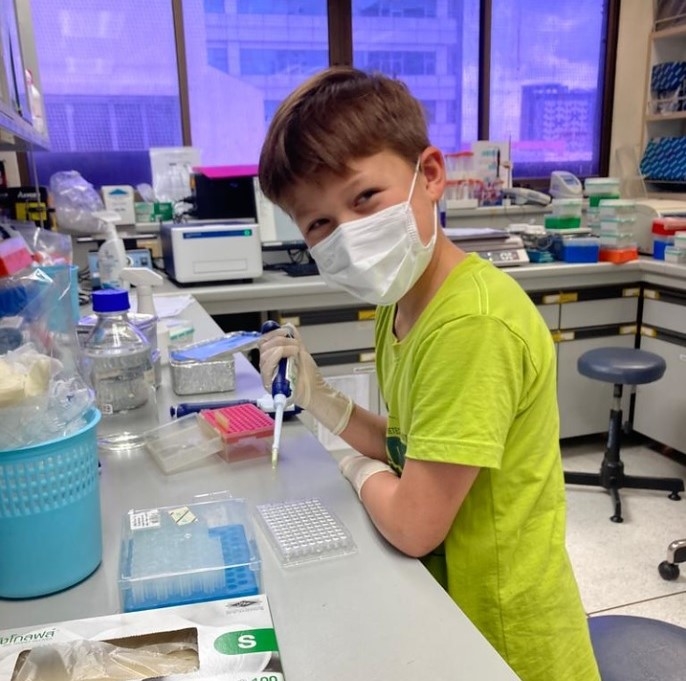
(565, 185)
(502, 248)
(649, 209)
(211, 251)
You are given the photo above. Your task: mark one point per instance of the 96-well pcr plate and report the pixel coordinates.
(303, 531)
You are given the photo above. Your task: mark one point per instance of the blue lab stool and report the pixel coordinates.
(621, 366)
(631, 648)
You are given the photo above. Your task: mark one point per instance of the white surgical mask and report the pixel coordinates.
(377, 258)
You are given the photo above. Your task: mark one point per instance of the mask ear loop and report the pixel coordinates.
(414, 180)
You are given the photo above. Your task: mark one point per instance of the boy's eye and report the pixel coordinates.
(364, 196)
(316, 224)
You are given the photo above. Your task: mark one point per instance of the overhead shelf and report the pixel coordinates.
(17, 134)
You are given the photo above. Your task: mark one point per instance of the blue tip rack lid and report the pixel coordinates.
(111, 300)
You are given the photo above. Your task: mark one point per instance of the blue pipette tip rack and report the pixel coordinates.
(184, 554)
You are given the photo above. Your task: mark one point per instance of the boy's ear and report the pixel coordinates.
(433, 169)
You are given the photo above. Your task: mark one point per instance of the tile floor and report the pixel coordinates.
(616, 564)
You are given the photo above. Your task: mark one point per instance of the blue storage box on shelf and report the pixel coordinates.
(188, 553)
(667, 86)
(664, 160)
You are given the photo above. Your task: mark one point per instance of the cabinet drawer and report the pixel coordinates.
(551, 315)
(660, 412)
(338, 337)
(598, 313)
(663, 315)
(585, 403)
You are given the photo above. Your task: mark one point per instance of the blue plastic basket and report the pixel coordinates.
(50, 532)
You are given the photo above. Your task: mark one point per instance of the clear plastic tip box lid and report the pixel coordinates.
(174, 555)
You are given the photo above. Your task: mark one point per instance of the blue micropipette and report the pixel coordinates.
(281, 391)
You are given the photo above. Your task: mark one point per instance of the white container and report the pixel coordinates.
(620, 208)
(594, 186)
(680, 240)
(675, 255)
(112, 254)
(567, 208)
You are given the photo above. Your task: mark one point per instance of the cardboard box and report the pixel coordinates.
(235, 641)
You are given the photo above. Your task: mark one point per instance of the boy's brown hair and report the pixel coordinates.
(338, 115)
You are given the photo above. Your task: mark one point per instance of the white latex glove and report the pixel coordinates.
(357, 469)
(329, 406)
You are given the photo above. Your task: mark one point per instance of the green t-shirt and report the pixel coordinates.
(473, 383)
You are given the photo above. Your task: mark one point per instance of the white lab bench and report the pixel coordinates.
(374, 615)
(585, 306)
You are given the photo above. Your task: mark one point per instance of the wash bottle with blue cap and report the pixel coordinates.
(112, 254)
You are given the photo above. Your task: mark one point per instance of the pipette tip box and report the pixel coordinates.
(245, 430)
(190, 553)
(183, 443)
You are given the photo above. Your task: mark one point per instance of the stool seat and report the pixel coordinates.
(624, 366)
(631, 648)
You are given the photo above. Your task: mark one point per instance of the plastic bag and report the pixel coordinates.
(102, 661)
(75, 201)
(43, 395)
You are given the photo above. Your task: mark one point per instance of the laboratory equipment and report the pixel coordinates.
(245, 430)
(265, 403)
(120, 364)
(647, 210)
(183, 443)
(208, 366)
(500, 247)
(617, 218)
(521, 196)
(223, 193)
(211, 251)
(281, 391)
(598, 189)
(303, 531)
(50, 514)
(565, 185)
(175, 555)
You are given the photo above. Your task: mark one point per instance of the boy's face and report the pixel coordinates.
(374, 183)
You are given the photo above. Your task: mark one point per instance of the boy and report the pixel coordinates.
(465, 472)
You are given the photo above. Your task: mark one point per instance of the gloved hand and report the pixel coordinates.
(310, 391)
(357, 469)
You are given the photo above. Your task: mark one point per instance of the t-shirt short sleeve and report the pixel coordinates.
(467, 387)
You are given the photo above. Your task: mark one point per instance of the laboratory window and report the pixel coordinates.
(546, 81)
(213, 6)
(398, 63)
(286, 7)
(109, 87)
(393, 49)
(110, 91)
(429, 110)
(395, 8)
(267, 62)
(218, 55)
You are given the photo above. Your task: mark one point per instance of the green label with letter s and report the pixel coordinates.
(246, 641)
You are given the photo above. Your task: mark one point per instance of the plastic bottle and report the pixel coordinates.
(120, 363)
(145, 280)
(112, 254)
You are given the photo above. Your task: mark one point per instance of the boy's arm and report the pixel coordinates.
(413, 512)
(366, 433)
